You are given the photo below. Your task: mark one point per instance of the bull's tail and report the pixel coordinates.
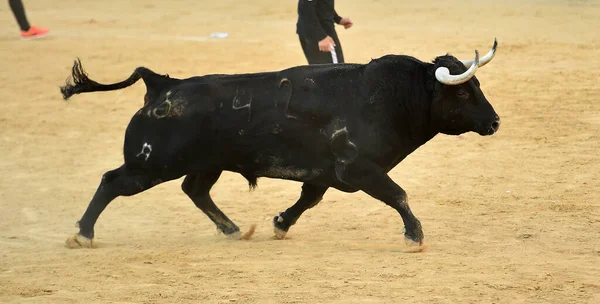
(79, 82)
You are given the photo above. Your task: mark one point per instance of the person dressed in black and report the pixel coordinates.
(316, 30)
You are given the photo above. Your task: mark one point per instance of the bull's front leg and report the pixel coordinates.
(373, 180)
(115, 183)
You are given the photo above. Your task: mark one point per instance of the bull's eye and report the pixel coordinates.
(462, 94)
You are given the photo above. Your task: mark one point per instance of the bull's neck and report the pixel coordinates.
(413, 115)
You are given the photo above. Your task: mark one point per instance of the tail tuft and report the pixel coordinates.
(77, 82)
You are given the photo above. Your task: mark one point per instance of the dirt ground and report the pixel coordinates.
(511, 218)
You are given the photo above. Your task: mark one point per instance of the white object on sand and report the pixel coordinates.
(219, 35)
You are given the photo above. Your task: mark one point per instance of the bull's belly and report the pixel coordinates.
(289, 165)
(290, 172)
(301, 167)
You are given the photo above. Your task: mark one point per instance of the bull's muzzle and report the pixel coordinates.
(491, 128)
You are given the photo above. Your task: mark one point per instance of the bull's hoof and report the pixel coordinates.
(280, 226)
(414, 234)
(231, 231)
(234, 235)
(414, 246)
(79, 241)
(280, 234)
(414, 242)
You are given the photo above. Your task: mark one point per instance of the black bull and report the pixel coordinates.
(342, 126)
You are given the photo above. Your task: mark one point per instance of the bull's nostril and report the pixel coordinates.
(495, 125)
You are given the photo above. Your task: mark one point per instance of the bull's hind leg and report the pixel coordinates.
(373, 180)
(197, 186)
(115, 183)
(310, 197)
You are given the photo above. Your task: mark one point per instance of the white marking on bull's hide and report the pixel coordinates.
(287, 111)
(287, 99)
(241, 132)
(352, 144)
(344, 159)
(146, 150)
(167, 97)
(277, 129)
(337, 132)
(242, 100)
(173, 105)
(167, 104)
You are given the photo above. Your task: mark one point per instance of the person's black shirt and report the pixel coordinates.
(316, 19)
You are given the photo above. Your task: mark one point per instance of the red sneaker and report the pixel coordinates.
(34, 32)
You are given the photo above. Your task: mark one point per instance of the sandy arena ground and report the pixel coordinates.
(512, 218)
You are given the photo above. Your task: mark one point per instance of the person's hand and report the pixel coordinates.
(346, 22)
(325, 44)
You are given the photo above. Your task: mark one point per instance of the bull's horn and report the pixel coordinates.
(442, 74)
(485, 59)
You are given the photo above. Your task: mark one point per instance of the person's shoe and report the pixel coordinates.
(34, 32)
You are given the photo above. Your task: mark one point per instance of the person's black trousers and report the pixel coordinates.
(315, 56)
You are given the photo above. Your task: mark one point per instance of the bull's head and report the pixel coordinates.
(459, 104)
